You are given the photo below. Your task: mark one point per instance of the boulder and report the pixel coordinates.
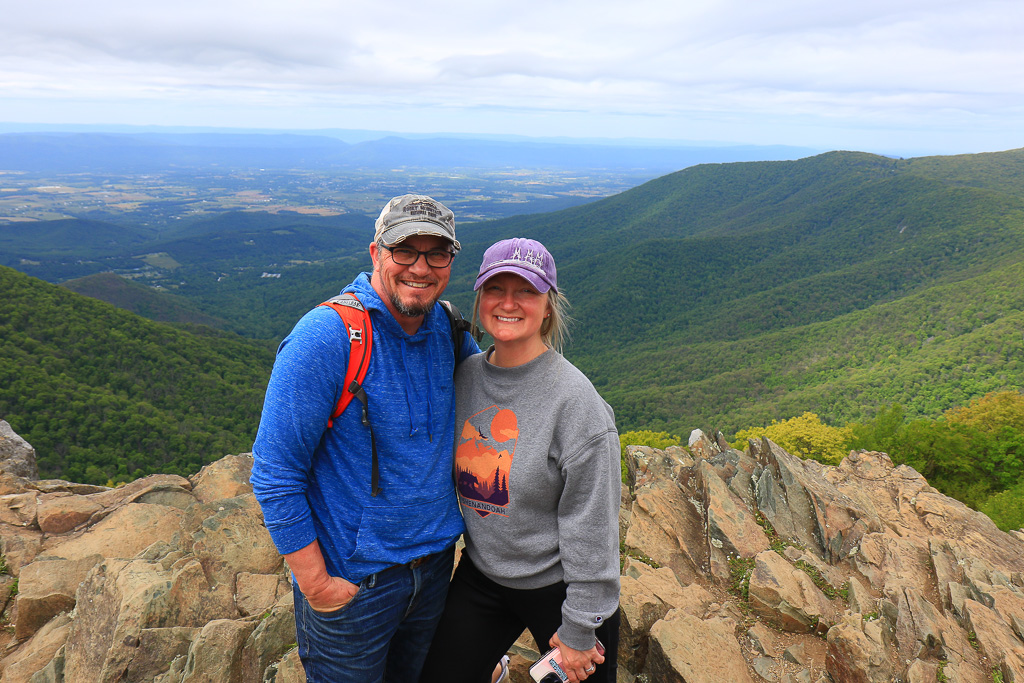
(215, 655)
(288, 670)
(121, 598)
(732, 526)
(19, 509)
(176, 579)
(269, 642)
(19, 546)
(666, 526)
(46, 588)
(997, 641)
(786, 596)
(803, 506)
(59, 513)
(225, 478)
(157, 649)
(763, 640)
(37, 652)
(920, 627)
(127, 531)
(229, 537)
(857, 652)
(647, 595)
(681, 647)
(17, 457)
(255, 594)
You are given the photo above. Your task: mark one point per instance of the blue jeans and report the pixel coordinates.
(384, 632)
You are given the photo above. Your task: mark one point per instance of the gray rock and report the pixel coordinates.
(272, 638)
(217, 648)
(765, 667)
(17, 457)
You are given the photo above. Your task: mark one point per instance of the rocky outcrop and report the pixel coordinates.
(861, 572)
(163, 579)
(738, 566)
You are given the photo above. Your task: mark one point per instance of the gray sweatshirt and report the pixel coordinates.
(537, 470)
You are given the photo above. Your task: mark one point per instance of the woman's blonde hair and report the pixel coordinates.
(554, 331)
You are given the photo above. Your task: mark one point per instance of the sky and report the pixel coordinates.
(899, 77)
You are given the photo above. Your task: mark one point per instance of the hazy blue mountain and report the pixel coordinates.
(107, 152)
(139, 152)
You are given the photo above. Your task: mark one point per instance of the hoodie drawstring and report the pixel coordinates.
(409, 388)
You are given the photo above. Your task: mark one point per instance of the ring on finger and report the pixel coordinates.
(591, 669)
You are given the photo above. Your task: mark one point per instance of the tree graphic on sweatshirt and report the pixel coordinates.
(483, 459)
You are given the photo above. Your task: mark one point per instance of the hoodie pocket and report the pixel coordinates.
(400, 533)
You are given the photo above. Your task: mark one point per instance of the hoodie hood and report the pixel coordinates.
(405, 351)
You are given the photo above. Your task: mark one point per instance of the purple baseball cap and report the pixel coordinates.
(524, 257)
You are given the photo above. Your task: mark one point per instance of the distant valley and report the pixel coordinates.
(156, 180)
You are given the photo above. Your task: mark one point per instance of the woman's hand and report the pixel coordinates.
(576, 663)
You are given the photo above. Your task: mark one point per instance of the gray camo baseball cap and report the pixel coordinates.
(415, 214)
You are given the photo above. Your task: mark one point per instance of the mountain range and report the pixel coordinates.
(732, 294)
(722, 295)
(153, 151)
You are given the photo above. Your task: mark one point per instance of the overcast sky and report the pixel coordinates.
(892, 76)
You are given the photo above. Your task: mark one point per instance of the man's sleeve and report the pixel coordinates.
(302, 392)
(469, 347)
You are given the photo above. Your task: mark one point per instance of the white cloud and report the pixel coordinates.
(766, 71)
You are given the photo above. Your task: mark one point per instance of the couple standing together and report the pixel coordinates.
(367, 516)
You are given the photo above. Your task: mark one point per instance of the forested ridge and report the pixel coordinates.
(723, 296)
(104, 394)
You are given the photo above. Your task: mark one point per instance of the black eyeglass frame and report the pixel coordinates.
(424, 254)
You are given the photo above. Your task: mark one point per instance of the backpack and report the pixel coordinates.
(360, 335)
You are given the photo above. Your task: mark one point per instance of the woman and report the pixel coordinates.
(537, 471)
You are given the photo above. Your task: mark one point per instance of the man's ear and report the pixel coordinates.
(374, 253)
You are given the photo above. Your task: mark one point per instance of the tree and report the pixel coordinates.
(806, 436)
(1006, 508)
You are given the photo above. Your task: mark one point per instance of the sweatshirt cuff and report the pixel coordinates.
(577, 637)
(288, 539)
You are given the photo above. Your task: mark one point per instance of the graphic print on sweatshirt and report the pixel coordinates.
(483, 460)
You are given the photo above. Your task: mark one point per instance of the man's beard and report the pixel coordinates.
(410, 311)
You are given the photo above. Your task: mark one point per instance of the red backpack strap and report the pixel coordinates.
(360, 336)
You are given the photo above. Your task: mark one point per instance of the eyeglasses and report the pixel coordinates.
(406, 256)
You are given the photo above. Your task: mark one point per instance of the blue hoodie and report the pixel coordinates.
(313, 483)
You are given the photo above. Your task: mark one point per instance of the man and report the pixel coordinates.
(370, 567)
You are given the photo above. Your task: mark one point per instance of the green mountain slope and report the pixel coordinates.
(141, 300)
(100, 392)
(699, 294)
(929, 352)
(720, 296)
(67, 238)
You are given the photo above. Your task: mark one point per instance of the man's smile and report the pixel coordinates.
(417, 284)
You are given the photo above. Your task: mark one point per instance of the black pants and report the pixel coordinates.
(482, 620)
